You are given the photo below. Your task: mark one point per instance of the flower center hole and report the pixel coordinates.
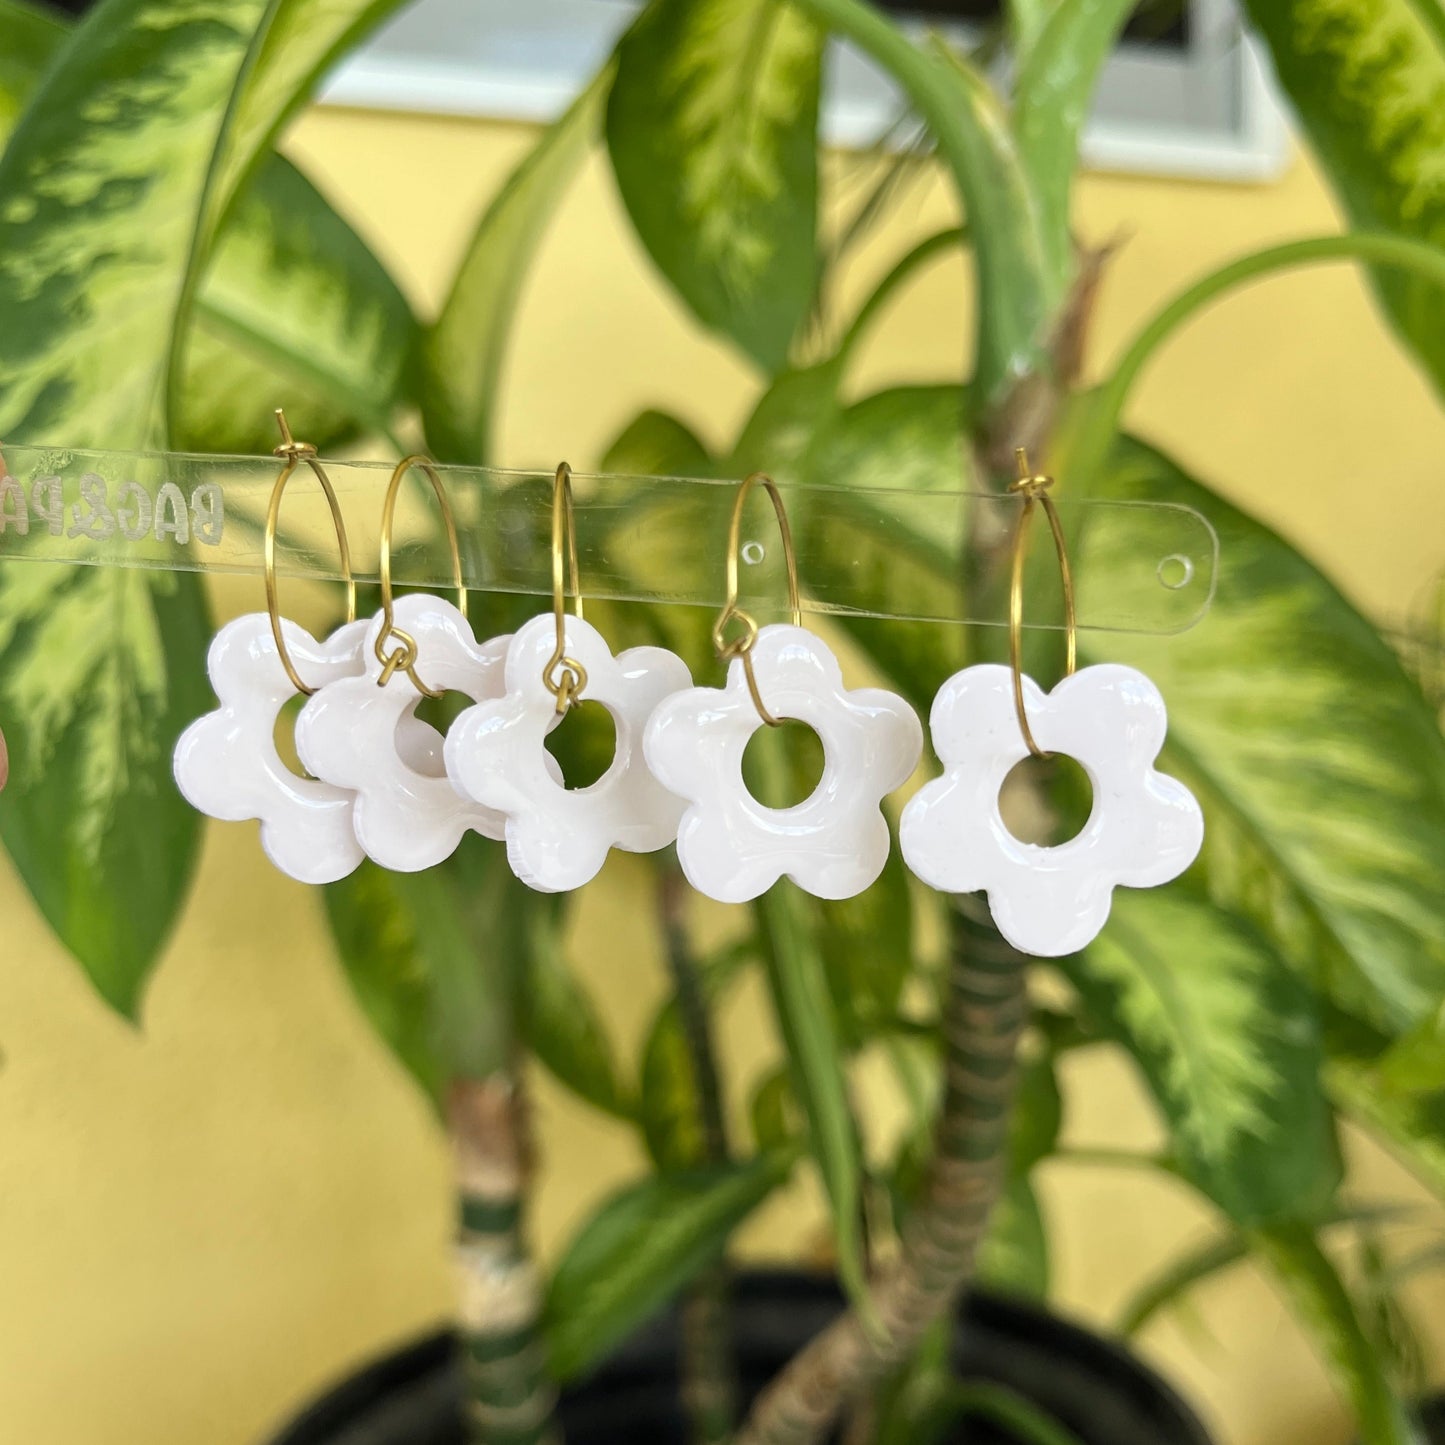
(783, 766)
(284, 734)
(1046, 801)
(584, 743)
(422, 750)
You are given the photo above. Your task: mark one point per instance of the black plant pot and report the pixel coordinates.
(1090, 1385)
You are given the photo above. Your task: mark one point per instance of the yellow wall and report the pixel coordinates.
(204, 1221)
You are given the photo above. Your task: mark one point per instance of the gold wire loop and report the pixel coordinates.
(403, 657)
(741, 647)
(566, 687)
(1034, 489)
(294, 453)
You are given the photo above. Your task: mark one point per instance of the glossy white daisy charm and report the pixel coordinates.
(833, 844)
(1145, 828)
(227, 765)
(558, 837)
(364, 737)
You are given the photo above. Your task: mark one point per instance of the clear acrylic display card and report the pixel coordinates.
(1140, 566)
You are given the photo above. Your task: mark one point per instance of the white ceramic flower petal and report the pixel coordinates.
(835, 842)
(226, 763)
(361, 736)
(1144, 828)
(558, 837)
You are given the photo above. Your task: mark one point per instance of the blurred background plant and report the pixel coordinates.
(165, 277)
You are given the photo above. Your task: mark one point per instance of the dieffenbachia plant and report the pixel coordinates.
(164, 275)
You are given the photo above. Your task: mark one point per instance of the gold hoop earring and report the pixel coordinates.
(567, 688)
(1034, 489)
(403, 658)
(741, 647)
(294, 454)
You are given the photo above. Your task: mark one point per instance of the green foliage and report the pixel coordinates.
(1014, 1257)
(1051, 98)
(1366, 78)
(30, 37)
(166, 278)
(1180, 1276)
(1015, 290)
(641, 1248)
(436, 960)
(1226, 1036)
(293, 307)
(797, 980)
(560, 1022)
(1323, 1305)
(1336, 848)
(1412, 1124)
(99, 672)
(711, 126)
(125, 147)
(867, 942)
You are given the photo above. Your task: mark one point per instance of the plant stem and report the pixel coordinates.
(709, 1380)
(509, 1396)
(1107, 404)
(985, 1011)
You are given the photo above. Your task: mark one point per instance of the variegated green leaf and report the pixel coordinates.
(1052, 95)
(294, 307)
(30, 36)
(132, 147)
(641, 1248)
(113, 182)
(711, 126)
(1321, 768)
(1227, 1038)
(1367, 78)
(295, 310)
(467, 344)
(100, 669)
(1323, 1304)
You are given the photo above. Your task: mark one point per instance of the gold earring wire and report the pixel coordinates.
(567, 688)
(1035, 490)
(742, 646)
(294, 453)
(403, 658)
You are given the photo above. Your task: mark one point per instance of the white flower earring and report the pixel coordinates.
(361, 733)
(558, 837)
(226, 763)
(833, 844)
(1144, 829)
